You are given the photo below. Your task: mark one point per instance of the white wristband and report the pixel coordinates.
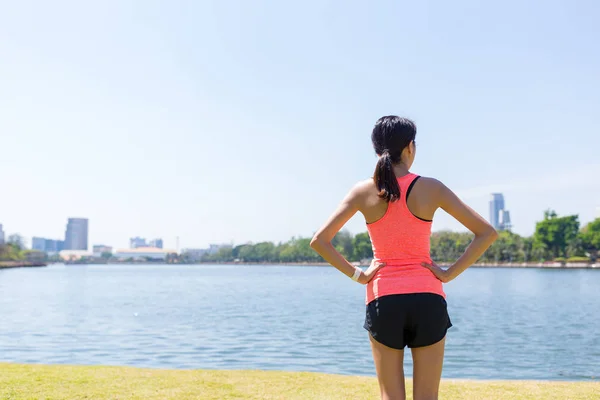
(357, 272)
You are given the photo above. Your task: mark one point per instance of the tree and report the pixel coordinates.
(264, 251)
(343, 243)
(590, 237)
(17, 240)
(224, 254)
(555, 233)
(447, 246)
(575, 247)
(288, 252)
(13, 249)
(362, 248)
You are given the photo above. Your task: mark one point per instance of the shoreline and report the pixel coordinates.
(552, 265)
(21, 264)
(479, 265)
(59, 381)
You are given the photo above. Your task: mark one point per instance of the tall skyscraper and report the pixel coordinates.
(499, 216)
(496, 205)
(76, 236)
(1, 235)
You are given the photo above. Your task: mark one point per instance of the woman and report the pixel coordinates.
(406, 303)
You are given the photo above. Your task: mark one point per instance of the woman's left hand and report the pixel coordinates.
(369, 274)
(442, 274)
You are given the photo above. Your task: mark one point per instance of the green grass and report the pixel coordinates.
(54, 382)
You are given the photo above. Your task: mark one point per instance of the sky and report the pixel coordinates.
(238, 121)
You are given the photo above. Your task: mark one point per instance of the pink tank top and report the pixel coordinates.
(401, 240)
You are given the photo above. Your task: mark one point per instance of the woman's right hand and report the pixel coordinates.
(369, 274)
(442, 274)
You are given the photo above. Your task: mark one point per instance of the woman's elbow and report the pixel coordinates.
(492, 234)
(316, 242)
(488, 233)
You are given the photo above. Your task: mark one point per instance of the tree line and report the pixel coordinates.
(556, 238)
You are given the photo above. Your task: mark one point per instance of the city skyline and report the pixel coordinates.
(499, 218)
(215, 122)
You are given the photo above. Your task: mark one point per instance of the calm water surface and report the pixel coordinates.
(508, 323)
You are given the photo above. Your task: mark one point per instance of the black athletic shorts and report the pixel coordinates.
(413, 320)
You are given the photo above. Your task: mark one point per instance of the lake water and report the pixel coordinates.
(508, 323)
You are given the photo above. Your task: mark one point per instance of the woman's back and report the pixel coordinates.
(400, 235)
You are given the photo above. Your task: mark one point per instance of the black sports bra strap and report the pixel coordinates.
(410, 187)
(406, 198)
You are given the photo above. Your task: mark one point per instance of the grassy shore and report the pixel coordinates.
(21, 264)
(55, 382)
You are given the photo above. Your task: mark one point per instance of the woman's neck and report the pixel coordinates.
(400, 170)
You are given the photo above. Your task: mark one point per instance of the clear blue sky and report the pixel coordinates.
(247, 121)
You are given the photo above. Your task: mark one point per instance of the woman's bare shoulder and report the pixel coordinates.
(430, 185)
(430, 182)
(363, 188)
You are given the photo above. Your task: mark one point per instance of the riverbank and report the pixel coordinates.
(553, 265)
(546, 265)
(20, 264)
(19, 381)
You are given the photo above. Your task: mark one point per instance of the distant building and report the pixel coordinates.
(99, 249)
(194, 254)
(136, 242)
(73, 255)
(499, 217)
(158, 243)
(143, 253)
(496, 205)
(47, 245)
(38, 243)
(214, 248)
(504, 222)
(1, 235)
(76, 235)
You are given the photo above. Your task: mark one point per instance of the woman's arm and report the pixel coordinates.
(321, 242)
(485, 234)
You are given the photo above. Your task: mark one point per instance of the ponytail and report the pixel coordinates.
(385, 178)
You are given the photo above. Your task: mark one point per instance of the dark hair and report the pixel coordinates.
(390, 136)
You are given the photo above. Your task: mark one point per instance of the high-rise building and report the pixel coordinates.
(137, 242)
(496, 205)
(54, 246)
(504, 222)
(38, 243)
(76, 235)
(499, 217)
(158, 243)
(47, 245)
(1, 235)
